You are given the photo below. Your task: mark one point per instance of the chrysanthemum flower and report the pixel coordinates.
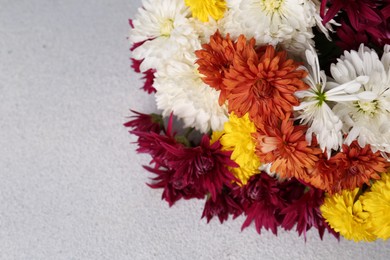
(204, 9)
(166, 31)
(348, 169)
(222, 207)
(148, 76)
(145, 123)
(349, 39)
(314, 109)
(345, 214)
(360, 13)
(376, 202)
(204, 166)
(273, 21)
(237, 137)
(181, 91)
(305, 212)
(366, 120)
(284, 145)
(152, 139)
(214, 60)
(262, 82)
(231, 22)
(261, 201)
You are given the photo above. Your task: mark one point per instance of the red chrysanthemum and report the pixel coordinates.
(349, 39)
(173, 190)
(304, 213)
(214, 60)
(262, 82)
(145, 123)
(285, 146)
(360, 12)
(148, 76)
(204, 166)
(262, 202)
(222, 207)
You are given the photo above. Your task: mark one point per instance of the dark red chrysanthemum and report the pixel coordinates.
(349, 39)
(152, 140)
(204, 166)
(145, 122)
(304, 213)
(148, 76)
(360, 12)
(222, 207)
(173, 190)
(262, 202)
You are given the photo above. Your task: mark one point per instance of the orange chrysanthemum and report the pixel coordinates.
(285, 146)
(214, 60)
(262, 82)
(348, 169)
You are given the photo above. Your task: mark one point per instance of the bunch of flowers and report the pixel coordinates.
(277, 110)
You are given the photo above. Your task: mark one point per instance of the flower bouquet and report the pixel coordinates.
(277, 110)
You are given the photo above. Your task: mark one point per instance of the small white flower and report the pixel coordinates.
(315, 109)
(165, 27)
(181, 90)
(366, 120)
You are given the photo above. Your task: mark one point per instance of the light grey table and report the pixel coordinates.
(71, 184)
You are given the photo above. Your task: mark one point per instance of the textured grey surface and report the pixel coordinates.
(71, 185)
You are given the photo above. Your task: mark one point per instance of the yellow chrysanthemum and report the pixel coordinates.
(203, 9)
(345, 215)
(377, 203)
(238, 138)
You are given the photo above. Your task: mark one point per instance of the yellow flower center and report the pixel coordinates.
(166, 28)
(271, 6)
(367, 107)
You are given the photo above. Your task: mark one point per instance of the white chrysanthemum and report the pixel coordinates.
(299, 42)
(314, 109)
(231, 22)
(272, 21)
(167, 31)
(180, 90)
(366, 120)
(205, 29)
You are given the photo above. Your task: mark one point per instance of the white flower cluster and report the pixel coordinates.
(285, 22)
(352, 105)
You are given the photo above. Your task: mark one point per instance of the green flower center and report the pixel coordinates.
(321, 97)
